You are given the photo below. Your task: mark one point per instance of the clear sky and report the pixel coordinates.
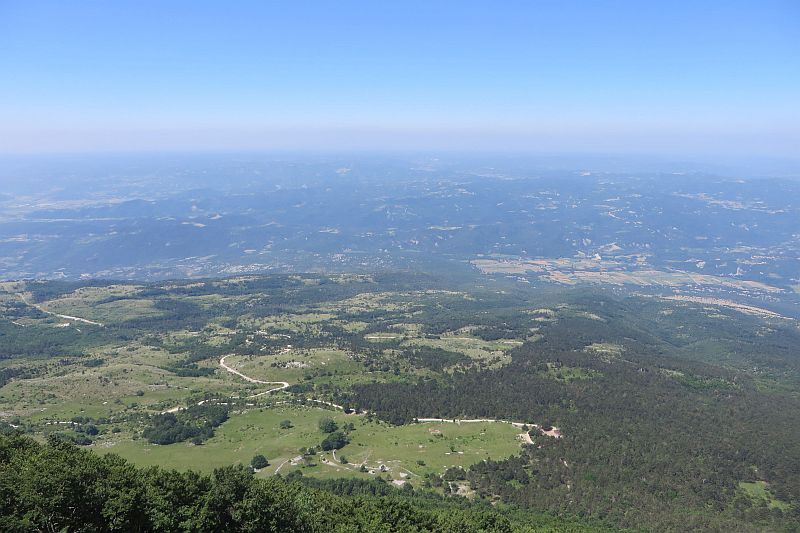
(668, 77)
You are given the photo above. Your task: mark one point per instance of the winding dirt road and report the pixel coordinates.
(283, 384)
(65, 317)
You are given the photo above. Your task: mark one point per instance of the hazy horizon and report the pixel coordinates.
(679, 80)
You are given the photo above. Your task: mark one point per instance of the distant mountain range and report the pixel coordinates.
(202, 216)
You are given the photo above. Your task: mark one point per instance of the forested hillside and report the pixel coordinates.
(648, 440)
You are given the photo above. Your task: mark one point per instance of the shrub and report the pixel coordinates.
(258, 462)
(334, 441)
(328, 425)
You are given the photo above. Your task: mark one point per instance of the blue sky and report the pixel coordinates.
(674, 77)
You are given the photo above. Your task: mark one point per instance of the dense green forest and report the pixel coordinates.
(649, 441)
(57, 487)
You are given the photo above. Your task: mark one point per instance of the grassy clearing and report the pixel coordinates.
(438, 446)
(104, 392)
(477, 349)
(368, 301)
(569, 373)
(128, 378)
(606, 351)
(236, 441)
(353, 326)
(306, 323)
(759, 491)
(89, 303)
(293, 364)
(387, 301)
(381, 337)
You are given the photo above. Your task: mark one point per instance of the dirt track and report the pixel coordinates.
(283, 384)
